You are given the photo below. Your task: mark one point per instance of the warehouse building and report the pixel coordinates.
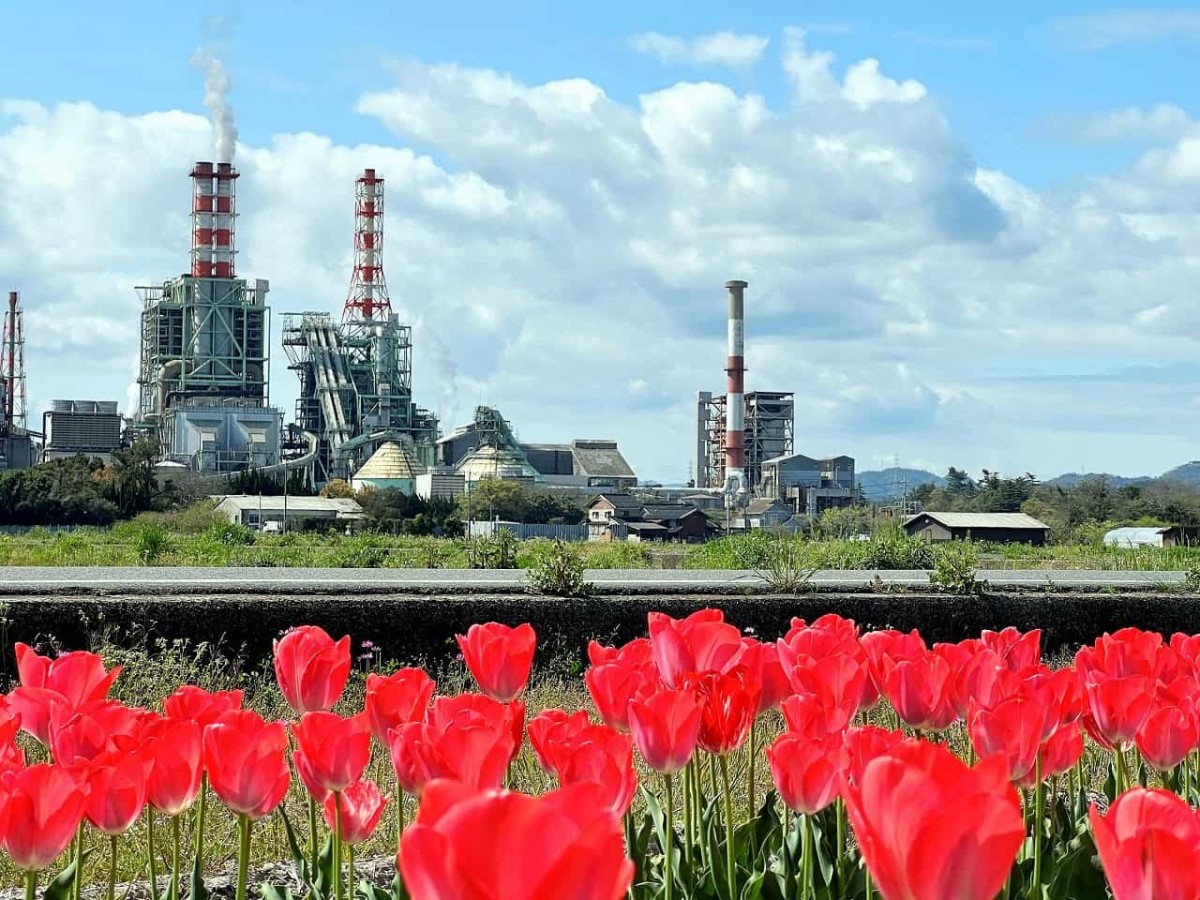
(1003, 528)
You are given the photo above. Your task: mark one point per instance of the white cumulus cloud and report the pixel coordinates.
(723, 48)
(564, 251)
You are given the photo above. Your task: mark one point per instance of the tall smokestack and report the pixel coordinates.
(213, 213)
(735, 403)
(368, 296)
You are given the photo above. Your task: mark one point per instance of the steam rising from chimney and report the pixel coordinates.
(217, 85)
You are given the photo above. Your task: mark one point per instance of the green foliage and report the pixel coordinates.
(495, 551)
(195, 518)
(954, 567)
(395, 512)
(151, 542)
(510, 501)
(254, 483)
(559, 572)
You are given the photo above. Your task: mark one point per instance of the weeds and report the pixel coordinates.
(560, 572)
(786, 572)
(954, 569)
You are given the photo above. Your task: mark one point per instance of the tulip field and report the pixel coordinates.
(699, 762)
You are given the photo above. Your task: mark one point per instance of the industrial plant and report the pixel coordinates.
(16, 443)
(356, 376)
(744, 442)
(205, 347)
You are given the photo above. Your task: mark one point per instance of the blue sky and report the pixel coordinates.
(1074, 123)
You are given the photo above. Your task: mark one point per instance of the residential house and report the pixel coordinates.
(624, 517)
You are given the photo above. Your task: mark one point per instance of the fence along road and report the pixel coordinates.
(127, 580)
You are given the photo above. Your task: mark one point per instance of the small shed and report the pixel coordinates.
(1003, 528)
(289, 512)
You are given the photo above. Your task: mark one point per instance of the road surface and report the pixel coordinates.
(27, 580)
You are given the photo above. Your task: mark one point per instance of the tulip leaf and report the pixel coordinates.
(197, 889)
(298, 856)
(60, 887)
(274, 892)
(752, 889)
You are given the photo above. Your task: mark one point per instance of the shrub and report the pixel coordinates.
(787, 570)
(560, 572)
(954, 568)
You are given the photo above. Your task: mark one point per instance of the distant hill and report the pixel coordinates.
(1188, 473)
(880, 484)
(1071, 479)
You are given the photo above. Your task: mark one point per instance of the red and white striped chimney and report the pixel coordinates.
(735, 386)
(213, 214)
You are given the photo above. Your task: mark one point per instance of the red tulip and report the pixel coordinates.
(200, 706)
(807, 772)
(811, 716)
(308, 778)
(401, 697)
(311, 669)
(837, 681)
(336, 749)
(403, 743)
(635, 653)
(1117, 708)
(361, 808)
(1012, 729)
(79, 677)
(929, 827)
(919, 689)
(666, 727)
(613, 685)
(864, 744)
(730, 707)
(70, 681)
(1018, 651)
(1058, 754)
(246, 761)
(762, 661)
(703, 642)
(48, 801)
(117, 790)
(563, 844)
(1148, 843)
(602, 755)
(552, 727)
(92, 729)
(500, 658)
(175, 749)
(980, 679)
(1168, 735)
(468, 738)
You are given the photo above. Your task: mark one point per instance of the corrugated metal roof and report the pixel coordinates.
(599, 460)
(981, 520)
(294, 504)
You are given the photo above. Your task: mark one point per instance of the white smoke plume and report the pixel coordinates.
(439, 354)
(209, 58)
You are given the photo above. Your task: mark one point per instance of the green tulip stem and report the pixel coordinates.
(840, 809)
(337, 845)
(313, 849)
(750, 774)
(730, 874)
(31, 885)
(867, 875)
(150, 851)
(200, 822)
(806, 853)
(669, 838)
(77, 884)
(243, 856)
(1039, 813)
(687, 813)
(174, 891)
(351, 881)
(112, 867)
(1122, 771)
(784, 856)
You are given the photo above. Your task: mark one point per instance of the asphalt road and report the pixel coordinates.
(23, 580)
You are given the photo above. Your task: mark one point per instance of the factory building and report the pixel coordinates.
(16, 443)
(487, 448)
(810, 486)
(89, 427)
(356, 376)
(205, 339)
(767, 433)
(390, 468)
